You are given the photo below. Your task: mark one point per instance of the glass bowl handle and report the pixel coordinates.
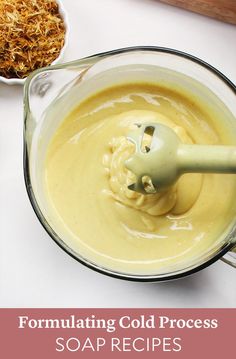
(230, 257)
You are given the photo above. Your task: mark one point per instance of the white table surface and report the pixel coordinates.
(34, 271)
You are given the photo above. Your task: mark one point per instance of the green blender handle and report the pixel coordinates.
(161, 164)
(206, 159)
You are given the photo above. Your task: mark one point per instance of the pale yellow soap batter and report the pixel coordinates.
(86, 183)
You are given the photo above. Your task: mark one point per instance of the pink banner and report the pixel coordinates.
(117, 333)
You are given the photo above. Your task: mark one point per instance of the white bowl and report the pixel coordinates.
(17, 81)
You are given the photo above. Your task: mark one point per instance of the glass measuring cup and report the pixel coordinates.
(51, 93)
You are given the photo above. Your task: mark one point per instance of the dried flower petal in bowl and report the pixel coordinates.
(32, 35)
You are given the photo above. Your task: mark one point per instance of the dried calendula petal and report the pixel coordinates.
(32, 34)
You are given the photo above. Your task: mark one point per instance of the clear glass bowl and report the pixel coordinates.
(51, 93)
